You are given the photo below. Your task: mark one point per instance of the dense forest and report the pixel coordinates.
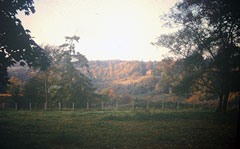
(125, 81)
(132, 77)
(118, 78)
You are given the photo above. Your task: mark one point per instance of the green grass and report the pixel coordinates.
(117, 129)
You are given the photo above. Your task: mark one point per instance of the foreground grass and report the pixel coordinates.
(117, 129)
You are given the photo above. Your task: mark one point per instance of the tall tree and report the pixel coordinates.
(46, 69)
(16, 43)
(210, 29)
(71, 84)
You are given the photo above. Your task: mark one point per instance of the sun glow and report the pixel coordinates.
(108, 29)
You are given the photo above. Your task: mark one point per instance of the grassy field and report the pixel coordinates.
(117, 129)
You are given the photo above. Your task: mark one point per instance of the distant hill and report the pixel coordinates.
(131, 77)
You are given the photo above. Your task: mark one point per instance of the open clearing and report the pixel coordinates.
(117, 129)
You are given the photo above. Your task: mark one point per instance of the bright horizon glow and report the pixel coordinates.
(108, 29)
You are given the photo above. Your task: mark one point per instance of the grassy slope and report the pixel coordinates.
(117, 129)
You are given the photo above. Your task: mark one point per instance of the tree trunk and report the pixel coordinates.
(220, 106)
(225, 101)
(46, 86)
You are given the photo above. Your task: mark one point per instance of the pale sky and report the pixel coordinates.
(108, 29)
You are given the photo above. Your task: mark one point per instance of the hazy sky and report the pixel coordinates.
(108, 29)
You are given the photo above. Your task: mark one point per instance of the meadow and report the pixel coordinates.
(117, 129)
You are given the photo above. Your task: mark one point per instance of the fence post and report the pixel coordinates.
(102, 105)
(133, 105)
(162, 104)
(117, 104)
(16, 106)
(193, 105)
(3, 106)
(73, 106)
(59, 106)
(30, 106)
(87, 106)
(178, 104)
(147, 105)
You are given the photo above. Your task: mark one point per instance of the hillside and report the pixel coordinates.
(131, 77)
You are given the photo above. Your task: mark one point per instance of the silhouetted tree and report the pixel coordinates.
(209, 29)
(16, 43)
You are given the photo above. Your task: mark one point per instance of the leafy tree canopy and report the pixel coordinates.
(16, 43)
(209, 29)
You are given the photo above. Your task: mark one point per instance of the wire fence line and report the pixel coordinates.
(161, 105)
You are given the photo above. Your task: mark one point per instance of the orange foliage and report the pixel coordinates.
(195, 97)
(233, 96)
(5, 95)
